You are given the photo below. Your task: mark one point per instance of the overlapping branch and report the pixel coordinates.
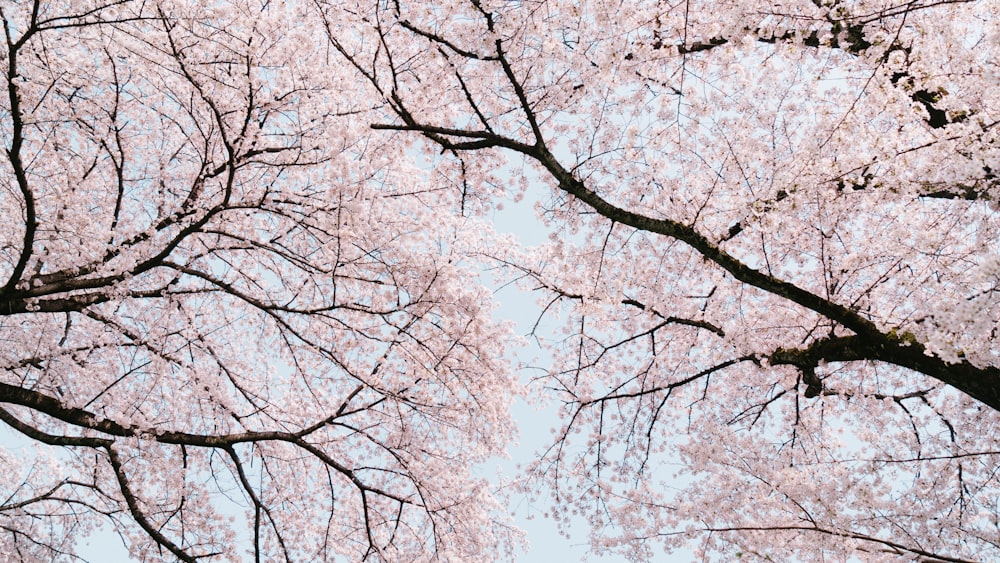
(868, 343)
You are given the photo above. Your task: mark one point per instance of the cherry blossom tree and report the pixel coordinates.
(240, 296)
(235, 326)
(774, 247)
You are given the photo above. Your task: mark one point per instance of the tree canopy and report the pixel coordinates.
(242, 297)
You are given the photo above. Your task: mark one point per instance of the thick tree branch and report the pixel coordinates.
(85, 419)
(845, 33)
(14, 151)
(982, 384)
(51, 439)
(978, 383)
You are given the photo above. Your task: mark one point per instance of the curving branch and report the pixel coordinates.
(140, 516)
(16, 143)
(845, 32)
(869, 341)
(900, 350)
(83, 418)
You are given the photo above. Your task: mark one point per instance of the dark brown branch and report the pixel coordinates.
(85, 419)
(258, 507)
(677, 320)
(870, 343)
(965, 192)
(897, 547)
(672, 385)
(904, 351)
(73, 303)
(686, 234)
(138, 514)
(14, 151)
(846, 34)
(50, 439)
(437, 39)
